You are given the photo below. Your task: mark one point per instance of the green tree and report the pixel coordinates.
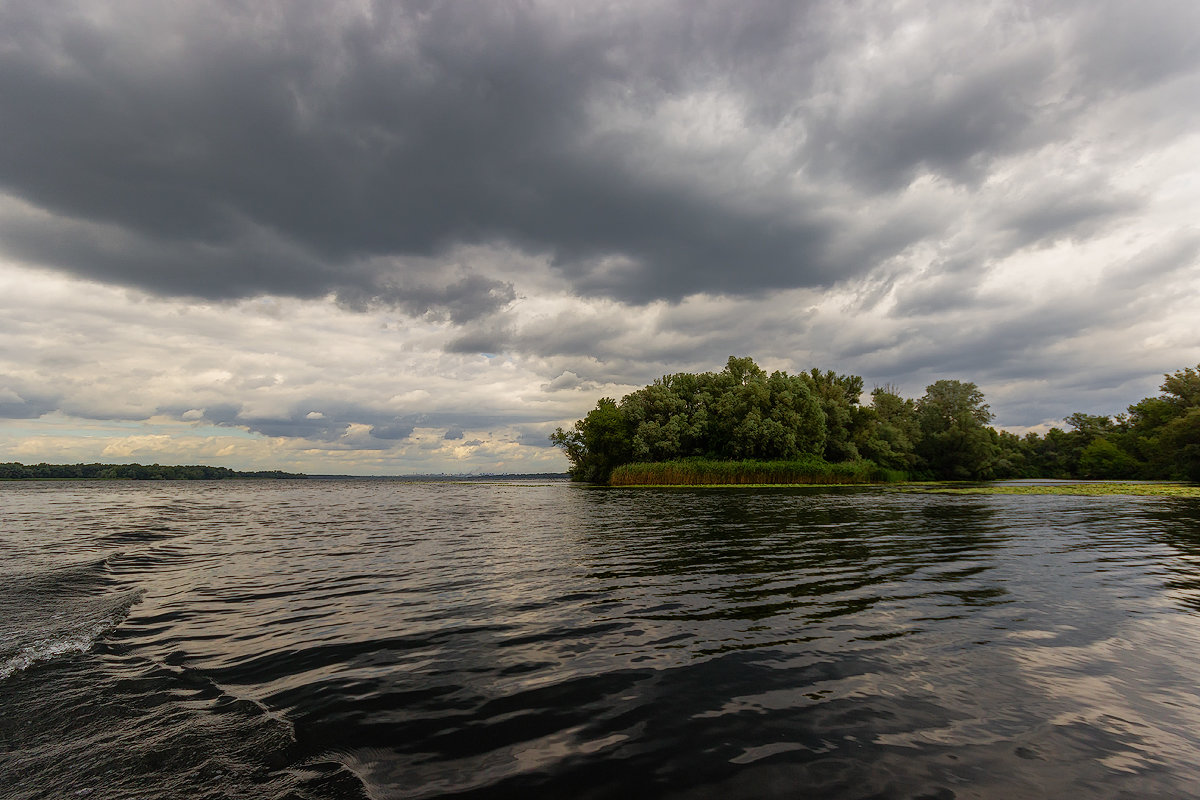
(1103, 459)
(598, 443)
(1181, 441)
(1016, 457)
(846, 422)
(756, 416)
(1182, 389)
(1054, 455)
(1159, 430)
(893, 430)
(658, 418)
(956, 442)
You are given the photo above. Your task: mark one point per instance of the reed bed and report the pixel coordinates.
(700, 472)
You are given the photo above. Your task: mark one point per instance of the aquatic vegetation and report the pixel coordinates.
(1078, 489)
(707, 472)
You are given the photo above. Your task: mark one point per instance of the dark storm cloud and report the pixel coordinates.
(316, 429)
(393, 432)
(1154, 265)
(1065, 214)
(534, 435)
(214, 153)
(24, 404)
(221, 150)
(465, 300)
(913, 127)
(485, 338)
(1023, 343)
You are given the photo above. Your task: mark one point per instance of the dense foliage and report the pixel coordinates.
(136, 472)
(742, 414)
(1158, 438)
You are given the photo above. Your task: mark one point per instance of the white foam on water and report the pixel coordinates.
(77, 638)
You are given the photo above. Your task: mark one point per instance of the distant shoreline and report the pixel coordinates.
(450, 477)
(14, 471)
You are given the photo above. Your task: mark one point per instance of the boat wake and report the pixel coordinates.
(58, 612)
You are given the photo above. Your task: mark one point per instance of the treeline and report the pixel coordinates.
(134, 472)
(743, 414)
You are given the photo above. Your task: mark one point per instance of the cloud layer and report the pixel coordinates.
(339, 224)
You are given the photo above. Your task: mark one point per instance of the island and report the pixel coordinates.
(742, 426)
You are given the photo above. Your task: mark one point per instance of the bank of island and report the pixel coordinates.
(741, 426)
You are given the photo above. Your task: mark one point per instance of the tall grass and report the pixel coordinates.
(703, 472)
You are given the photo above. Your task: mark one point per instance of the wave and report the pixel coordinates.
(74, 629)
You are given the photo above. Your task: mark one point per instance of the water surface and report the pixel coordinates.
(348, 639)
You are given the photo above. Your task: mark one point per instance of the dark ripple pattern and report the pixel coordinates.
(380, 639)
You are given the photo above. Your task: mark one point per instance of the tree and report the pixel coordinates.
(1178, 437)
(894, 430)
(1182, 389)
(1161, 431)
(1103, 459)
(598, 443)
(1015, 459)
(956, 442)
(738, 413)
(1181, 439)
(846, 422)
(658, 418)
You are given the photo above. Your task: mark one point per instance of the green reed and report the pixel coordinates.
(705, 472)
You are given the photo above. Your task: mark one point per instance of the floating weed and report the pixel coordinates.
(1079, 489)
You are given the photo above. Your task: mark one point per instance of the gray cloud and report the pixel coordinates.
(1080, 211)
(331, 426)
(23, 405)
(319, 430)
(534, 436)
(313, 149)
(394, 432)
(484, 338)
(465, 300)
(566, 381)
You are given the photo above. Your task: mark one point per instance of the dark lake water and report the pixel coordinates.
(379, 639)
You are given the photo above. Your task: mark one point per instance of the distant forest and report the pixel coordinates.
(743, 414)
(136, 472)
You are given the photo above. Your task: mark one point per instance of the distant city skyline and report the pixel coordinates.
(363, 238)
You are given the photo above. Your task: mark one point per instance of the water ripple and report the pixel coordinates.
(380, 639)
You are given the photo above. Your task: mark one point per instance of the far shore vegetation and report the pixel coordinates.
(741, 426)
(137, 472)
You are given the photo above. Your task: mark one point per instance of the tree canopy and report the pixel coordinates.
(742, 413)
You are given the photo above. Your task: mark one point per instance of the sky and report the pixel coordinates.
(396, 238)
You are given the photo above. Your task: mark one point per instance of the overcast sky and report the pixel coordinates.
(416, 237)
